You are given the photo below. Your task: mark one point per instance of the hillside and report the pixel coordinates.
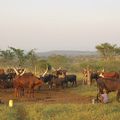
(68, 53)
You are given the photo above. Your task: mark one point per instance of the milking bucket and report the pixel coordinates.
(10, 103)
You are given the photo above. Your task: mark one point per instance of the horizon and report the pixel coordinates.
(59, 25)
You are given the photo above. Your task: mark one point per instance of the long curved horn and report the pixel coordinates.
(101, 75)
(59, 69)
(16, 71)
(45, 72)
(22, 72)
(53, 69)
(103, 70)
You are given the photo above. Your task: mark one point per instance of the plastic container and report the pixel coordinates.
(10, 103)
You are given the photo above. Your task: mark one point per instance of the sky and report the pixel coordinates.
(59, 24)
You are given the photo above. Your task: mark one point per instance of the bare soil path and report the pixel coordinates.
(46, 96)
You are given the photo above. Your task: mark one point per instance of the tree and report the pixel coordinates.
(58, 61)
(7, 56)
(20, 56)
(108, 50)
(32, 59)
(117, 50)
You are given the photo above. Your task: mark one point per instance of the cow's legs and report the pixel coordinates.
(33, 92)
(75, 83)
(118, 96)
(15, 92)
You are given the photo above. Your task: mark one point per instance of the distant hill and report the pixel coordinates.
(68, 53)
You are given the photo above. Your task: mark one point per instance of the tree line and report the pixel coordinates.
(32, 61)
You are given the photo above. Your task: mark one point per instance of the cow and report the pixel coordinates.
(2, 75)
(2, 71)
(4, 79)
(26, 82)
(94, 76)
(3, 84)
(47, 79)
(97, 75)
(11, 73)
(58, 82)
(72, 79)
(109, 75)
(59, 71)
(110, 85)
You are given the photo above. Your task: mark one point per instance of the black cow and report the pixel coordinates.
(5, 81)
(47, 79)
(3, 77)
(6, 78)
(94, 76)
(71, 79)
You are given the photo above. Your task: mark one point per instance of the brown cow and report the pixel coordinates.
(26, 82)
(61, 72)
(110, 75)
(110, 85)
(2, 71)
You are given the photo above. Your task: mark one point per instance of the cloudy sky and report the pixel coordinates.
(59, 24)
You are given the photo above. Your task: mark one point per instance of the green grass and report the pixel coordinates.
(38, 111)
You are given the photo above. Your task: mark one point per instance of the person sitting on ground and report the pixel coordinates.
(104, 97)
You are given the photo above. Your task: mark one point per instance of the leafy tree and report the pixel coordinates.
(108, 50)
(117, 50)
(20, 56)
(32, 59)
(7, 56)
(42, 65)
(58, 61)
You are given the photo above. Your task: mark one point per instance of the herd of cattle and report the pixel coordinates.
(24, 83)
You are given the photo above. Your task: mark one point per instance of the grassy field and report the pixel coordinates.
(38, 111)
(58, 111)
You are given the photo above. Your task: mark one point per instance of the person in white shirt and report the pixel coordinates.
(104, 97)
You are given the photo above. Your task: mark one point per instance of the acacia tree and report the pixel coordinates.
(108, 50)
(20, 56)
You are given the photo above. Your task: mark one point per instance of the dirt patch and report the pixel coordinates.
(44, 95)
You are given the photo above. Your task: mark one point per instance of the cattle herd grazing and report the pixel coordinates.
(24, 83)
